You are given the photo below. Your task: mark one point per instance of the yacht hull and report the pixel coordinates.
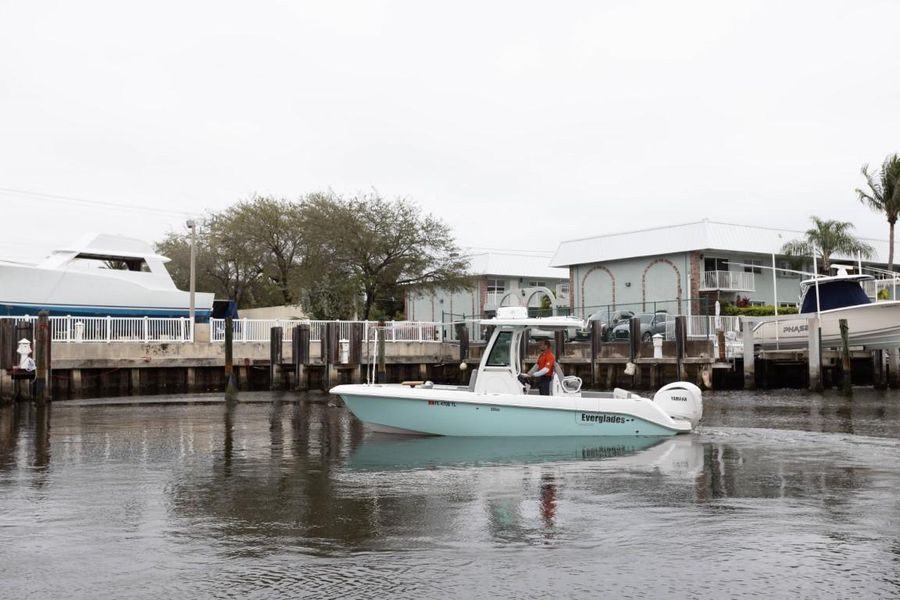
(400, 409)
(874, 326)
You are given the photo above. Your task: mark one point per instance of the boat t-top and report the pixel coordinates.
(497, 403)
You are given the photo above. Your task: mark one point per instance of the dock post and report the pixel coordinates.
(300, 355)
(560, 340)
(382, 369)
(815, 355)
(462, 334)
(878, 372)
(680, 329)
(331, 348)
(230, 384)
(894, 368)
(596, 335)
(846, 365)
(42, 338)
(276, 335)
(355, 351)
(749, 358)
(634, 350)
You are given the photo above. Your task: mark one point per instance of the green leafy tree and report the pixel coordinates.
(826, 238)
(383, 247)
(883, 196)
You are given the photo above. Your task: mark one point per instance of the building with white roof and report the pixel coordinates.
(681, 268)
(513, 278)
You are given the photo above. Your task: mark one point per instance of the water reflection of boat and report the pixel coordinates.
(397, 453)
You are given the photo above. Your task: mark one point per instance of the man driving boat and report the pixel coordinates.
(542, 371)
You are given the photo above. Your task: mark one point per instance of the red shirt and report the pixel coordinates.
(547, 360)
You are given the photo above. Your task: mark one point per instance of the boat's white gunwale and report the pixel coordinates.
(554, 403)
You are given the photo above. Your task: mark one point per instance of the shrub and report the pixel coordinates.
(731, 310)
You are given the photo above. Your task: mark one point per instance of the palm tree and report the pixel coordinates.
(825, 239)
(884, 196)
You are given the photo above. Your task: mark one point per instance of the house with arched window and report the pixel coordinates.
(685, 268)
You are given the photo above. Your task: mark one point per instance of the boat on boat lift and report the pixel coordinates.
(497, 403)
(871, 324)
(99, 275)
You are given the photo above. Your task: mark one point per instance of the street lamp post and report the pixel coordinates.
(193, 226)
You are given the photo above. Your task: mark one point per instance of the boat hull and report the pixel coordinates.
(398, 410)
(874, 326)
(28, 290)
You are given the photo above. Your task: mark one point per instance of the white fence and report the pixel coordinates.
(117, 329)
(258, 330)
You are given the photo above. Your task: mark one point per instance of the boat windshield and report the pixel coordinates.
(834, 294)
(499, 356)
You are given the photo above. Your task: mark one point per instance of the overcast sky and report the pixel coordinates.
(521, 124)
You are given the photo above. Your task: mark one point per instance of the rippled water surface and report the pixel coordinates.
(780, 495)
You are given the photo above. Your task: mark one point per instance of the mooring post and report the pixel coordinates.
(749, 358)
(300, 355)
(634, 350)
(42, 392)
(559, 338)
(276, 335)
(230, 384)
(382, 368)
(894, 368)
(355, 351)
(878, 374)
(7, 352)
(815, 355)
(680, 321)
(596, 335)
(846, 377)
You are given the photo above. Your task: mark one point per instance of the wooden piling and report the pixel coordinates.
(815, 355)
(357, 333)
(749, 357)
(381, 373)
(846, 377)
(42, 390)
(231, 390)
(300, 355)
(559, 338)
(879, 380)
(276, 335)
(596, 335)
(634, 349)
(894, 368)
(680, 329)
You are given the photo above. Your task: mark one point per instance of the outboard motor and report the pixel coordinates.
(682, 401)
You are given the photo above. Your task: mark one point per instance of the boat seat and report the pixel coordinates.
(570, 383)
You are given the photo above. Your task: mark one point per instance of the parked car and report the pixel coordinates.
(606, 327)
(651, 324)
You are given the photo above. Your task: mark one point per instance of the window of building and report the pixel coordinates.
(757, 303)
(563, 289)
(537, 284)
(496, 286)
(715, 264)
(753, 265)
(787, 304)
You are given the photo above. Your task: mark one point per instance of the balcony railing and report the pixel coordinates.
(728, 281)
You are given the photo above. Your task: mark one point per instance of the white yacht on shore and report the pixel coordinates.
(100, 275)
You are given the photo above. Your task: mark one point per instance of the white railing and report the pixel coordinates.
(700, 326)
(728, 280)
(145, 330)
(258, 330)
(873, 287)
